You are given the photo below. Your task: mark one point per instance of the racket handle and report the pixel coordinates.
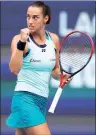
(55, 100)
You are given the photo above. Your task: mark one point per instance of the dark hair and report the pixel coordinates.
(46, 9)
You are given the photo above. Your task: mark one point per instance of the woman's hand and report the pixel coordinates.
(65, 79)
(24, 34)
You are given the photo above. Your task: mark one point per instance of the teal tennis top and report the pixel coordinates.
(38, 63)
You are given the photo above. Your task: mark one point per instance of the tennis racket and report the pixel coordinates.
(76, 51)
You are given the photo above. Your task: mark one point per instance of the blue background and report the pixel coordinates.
(75, 112)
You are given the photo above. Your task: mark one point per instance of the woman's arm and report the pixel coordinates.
(17, 54)
(56, 72)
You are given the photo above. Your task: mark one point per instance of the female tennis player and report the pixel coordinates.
(34, 59)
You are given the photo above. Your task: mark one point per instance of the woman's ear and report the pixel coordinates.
(46, 18)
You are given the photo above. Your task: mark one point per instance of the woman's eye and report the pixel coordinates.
(35, 17)
(28, 17)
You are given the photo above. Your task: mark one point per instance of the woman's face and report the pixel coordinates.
(35, 19)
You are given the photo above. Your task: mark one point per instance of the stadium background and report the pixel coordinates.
(75, 113)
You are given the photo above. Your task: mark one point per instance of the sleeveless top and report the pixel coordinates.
(38, 63)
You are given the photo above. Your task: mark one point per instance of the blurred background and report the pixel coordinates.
(75, 113)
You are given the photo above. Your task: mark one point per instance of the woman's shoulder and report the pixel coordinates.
(55, 39)
(54, 36)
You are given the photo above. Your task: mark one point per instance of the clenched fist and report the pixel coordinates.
(24, 33)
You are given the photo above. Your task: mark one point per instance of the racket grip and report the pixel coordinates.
(55, 100)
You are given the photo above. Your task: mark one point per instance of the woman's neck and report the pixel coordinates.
(40, 37)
